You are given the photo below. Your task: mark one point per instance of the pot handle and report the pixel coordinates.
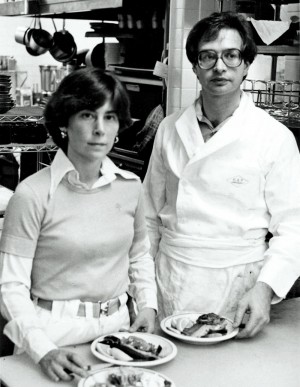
(54, 24)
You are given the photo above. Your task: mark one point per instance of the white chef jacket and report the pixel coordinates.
(210, 205)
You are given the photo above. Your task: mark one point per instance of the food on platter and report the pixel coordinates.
(205, 326)
(140, 349)
(130, 377)
(131, 348)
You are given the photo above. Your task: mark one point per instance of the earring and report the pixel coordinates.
(116, 139)
(63, 134)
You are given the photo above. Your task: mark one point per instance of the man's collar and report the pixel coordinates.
(199, 112)
(62, 165)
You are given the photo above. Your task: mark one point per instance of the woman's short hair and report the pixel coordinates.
(208, 29)
(85, 88)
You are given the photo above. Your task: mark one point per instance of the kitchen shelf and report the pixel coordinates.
(79, 9)
(8, 118)
(107, 34)
(278, 50)
(32, 148)
(38, 149)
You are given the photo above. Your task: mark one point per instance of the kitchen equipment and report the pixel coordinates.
(20, 34)
(6, 101)
(18, 127)
(51, 76)
(64, 47)
(37, 40)
(95, 57)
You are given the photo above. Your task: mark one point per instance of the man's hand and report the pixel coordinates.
(145, 321)
(257, 303)
(59, 363)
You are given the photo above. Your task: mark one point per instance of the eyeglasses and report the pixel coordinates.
(208, 58)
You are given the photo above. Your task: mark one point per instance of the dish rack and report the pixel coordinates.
(283, 105)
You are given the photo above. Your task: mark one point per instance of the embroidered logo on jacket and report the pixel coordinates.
(237, 181)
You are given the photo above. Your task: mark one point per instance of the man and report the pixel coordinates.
(222, 174)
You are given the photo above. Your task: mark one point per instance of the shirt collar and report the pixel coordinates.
(201, 118)
(199, 112)
(62, 166)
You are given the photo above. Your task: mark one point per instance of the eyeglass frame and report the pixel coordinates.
(220, 56)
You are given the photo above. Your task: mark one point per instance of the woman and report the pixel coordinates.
(74, 240)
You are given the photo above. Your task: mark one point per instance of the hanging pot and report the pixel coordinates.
(64, 47)
(95, 57)
(37, 40)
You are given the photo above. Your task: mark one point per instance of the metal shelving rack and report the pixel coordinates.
(18, 148)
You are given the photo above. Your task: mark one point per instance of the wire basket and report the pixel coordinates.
(280, 99)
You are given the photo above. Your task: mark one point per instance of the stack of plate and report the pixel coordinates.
(6, 101)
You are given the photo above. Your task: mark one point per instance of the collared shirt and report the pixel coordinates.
(17, 277)
(62, 167)
(206, 127)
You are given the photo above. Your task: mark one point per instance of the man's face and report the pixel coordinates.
(221, 79)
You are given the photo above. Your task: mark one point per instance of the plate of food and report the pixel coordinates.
(134, 349)
(126, 377)
(196, 328)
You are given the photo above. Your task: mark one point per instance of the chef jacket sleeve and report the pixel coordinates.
(282, 195)
(155, 191)
(141, 265)
(23, 327)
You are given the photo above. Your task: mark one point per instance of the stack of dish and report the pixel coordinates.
(6, 101)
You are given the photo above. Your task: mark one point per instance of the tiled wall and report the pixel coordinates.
(183, 86)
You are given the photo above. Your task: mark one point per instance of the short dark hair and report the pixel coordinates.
(207, 29)
(85, 88)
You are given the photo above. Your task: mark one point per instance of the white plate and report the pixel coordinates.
(148, 375)
(166, 324)
(169, 350)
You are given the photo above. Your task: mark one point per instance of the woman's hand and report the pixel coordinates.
(257, 303)
(145, 321)
(59, 363)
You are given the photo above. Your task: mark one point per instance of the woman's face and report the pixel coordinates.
(91, 133)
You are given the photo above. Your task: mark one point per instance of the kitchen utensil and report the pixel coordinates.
(5, 107)
(50, 77)
(64, 47)
(39, 40)
(4, 89)
(5, 98)
(95, 57)
(20, 34)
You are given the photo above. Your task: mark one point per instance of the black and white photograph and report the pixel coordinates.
(149, 193)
